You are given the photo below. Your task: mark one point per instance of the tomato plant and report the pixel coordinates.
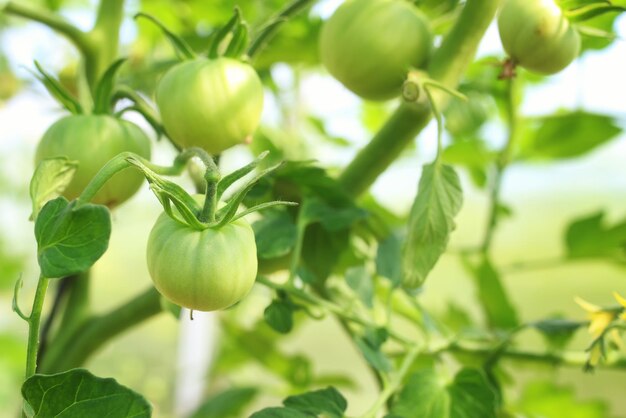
(327, 273)
(537, 35)
(369, 45)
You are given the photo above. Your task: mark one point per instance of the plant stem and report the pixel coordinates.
(72, 349)
(446, 67)
(62, 288)
(331, 308)
(395, 383)
(51, 20)
(501, 164)
(105, 39)
(33, 327)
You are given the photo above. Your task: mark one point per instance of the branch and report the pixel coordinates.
(446, 67)
(74, 348)
(54, 22)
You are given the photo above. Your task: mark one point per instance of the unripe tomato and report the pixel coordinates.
(93, 140)
(213, 104)
(537, 36)
(202, 270)
(370, 45)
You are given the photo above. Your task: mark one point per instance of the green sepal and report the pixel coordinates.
(183, 50)
(103, 97)
(57, 91)
(239, 42)
(231, 178)
(219, 36)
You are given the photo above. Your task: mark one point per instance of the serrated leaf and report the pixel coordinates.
(328, 402)
(431, 221)
(51, 177)
(227, 404)
(426, 395)
(590, 237)
(70, 239)
(279, 316)
(79, 394)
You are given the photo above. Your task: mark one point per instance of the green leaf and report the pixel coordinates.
(279, 316)
(389, 259)
(227, 404)
(278, 412)
(426, 395)
(70, 238)
(498, 309)
(431, 221)
(472, 154)
(275, 234)
(590, 237)
(568, 135)
(558, 332)
(103, 99)
(359, 280)
(545, 400)
(51, 177)
(373, 355)
(79, 394)
(324, 401)
(330, 217)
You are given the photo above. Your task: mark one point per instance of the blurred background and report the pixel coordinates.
(176, 364)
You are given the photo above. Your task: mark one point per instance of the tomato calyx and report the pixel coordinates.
(183, 208)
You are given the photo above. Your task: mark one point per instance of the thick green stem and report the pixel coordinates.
(74, 348)
(53, 21)
(33, 327)
(446, 67)
(105, 39)
(210, 202)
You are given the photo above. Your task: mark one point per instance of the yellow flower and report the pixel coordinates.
(622, 301)
(599, 319)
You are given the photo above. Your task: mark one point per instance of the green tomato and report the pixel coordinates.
(370, 45)
(537, 35)
(202, 270)
(93, 140)
(212, 104)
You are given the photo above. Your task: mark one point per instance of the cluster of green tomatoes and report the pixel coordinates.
(216, 103)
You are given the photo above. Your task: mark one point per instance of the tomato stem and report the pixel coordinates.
(33, 327)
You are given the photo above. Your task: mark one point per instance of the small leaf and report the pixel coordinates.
(426, 395)
(431, 221)
(78, 393)
(558, 332)
(373, 355)
(324, 401)
(499, 311)
(279, 412)
(568, 135)
(389, 259)
(590, 237)
(51, 177)
(70, 239)
(275, 235)
(362, 283)
(227, 404)
(279, 316)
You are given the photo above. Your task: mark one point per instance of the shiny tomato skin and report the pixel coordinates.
(93, 140)
(203, 270)
(537, 36)
(213, 104)
(370, 45)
